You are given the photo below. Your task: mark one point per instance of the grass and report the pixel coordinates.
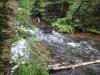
(31, 69)
(38, 57)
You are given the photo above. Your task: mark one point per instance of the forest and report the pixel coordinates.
(49, 37)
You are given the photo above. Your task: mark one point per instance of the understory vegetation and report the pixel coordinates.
(70, 15)
(34, 50)
(65, 16)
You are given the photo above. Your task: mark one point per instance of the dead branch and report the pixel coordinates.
(16, 67)
(61, 67)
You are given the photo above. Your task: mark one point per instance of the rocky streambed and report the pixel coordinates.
(69, 50)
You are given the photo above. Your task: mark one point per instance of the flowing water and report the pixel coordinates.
(66, 49)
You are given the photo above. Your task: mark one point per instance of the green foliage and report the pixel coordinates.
(38, 7)
(83, 16)
(36, 53)
(66, 24)
(40, 70)
(22, 31)
(26, 4)
(31, 69)
(25, 70)
(20, 34)
(23, 18)
(24, 12)
(73, 6)
(87, 14)
(63, 26)
(16, 39)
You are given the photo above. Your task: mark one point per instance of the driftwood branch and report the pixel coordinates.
(16, 67)
(57, 67)
(62, 67)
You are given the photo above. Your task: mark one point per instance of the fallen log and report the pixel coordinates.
(62, 67)
(93, 30)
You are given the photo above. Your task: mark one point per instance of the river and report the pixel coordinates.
(65, 49)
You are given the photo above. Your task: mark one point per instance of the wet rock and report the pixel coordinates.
(70, 52)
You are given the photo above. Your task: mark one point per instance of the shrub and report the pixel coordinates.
(63, 26)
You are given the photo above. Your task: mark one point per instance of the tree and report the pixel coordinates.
(7, 28)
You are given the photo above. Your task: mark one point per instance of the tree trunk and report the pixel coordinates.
(7, 28)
